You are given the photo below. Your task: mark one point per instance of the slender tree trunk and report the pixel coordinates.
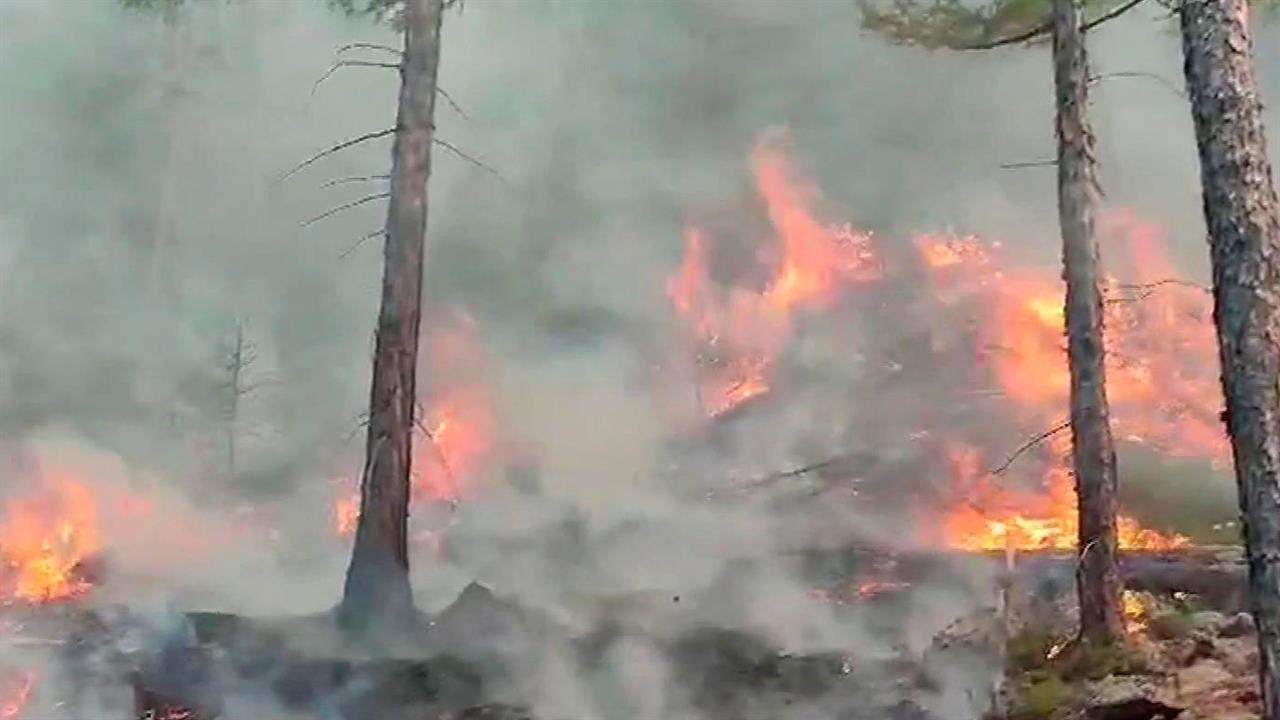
(236, 365)
(377, 584)
(1092, 451)
(1240, 211)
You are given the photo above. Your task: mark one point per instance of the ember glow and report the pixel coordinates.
(1161, 353)
(45, 535)
(457, 427)
(1135, 611)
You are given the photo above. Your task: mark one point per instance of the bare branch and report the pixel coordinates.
(336, 148)
(368, 46)
(1146, 290)
(1030, 444)
(363, 238)
(449, 99)
(346, 206)
(1047, 26)
(474, 161)
(339, 64)
(1028, 164)
(355, 179)
(1148, 75)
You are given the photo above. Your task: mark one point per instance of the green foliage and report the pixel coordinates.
(956, 25)
(1040, 695)
(1031, 651)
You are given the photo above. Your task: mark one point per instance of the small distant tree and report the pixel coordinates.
(237, 359)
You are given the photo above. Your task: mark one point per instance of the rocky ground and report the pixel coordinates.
(1183, 660)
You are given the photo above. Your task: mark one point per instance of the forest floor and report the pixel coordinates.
(1183, 659)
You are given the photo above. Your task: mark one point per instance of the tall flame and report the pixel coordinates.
(1161, 358)
(737, 336)
(44, 536)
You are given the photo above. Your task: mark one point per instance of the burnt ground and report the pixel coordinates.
(485, 656)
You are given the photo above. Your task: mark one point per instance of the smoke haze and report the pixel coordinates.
(143, 217)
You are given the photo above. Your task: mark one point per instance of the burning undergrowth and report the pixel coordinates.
(955, 358)
(843, 386)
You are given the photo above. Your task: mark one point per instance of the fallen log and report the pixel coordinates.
(1217, 575)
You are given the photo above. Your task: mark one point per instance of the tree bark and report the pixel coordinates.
(377, 584)
(1240, 211)
(1092, 450)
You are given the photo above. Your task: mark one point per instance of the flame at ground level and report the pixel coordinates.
(45, 535)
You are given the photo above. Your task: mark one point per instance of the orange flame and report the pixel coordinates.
(1161, 354)
(737, 338)
(458, 426)
(44, 536)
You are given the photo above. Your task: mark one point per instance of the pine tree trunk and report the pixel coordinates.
(1240, 211)
(377, 583)
(1093, 453)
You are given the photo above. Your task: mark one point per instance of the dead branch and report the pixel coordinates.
(449, 99)
(1030, 444)
(355, 179)
(339, 64)
(345, 206)
(336, 148)
(1028, 164)
(363, 238)
(1047, 26)
(1146, 290)
(1148, 75)
(474, 161)
(1161, 283)
(368, 46)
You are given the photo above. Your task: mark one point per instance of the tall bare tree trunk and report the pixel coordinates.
(377, 585)
(1092, 451)
(1240, 210)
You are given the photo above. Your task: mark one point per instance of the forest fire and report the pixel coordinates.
(1161, 363)
(45, 537)
(457, 429)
